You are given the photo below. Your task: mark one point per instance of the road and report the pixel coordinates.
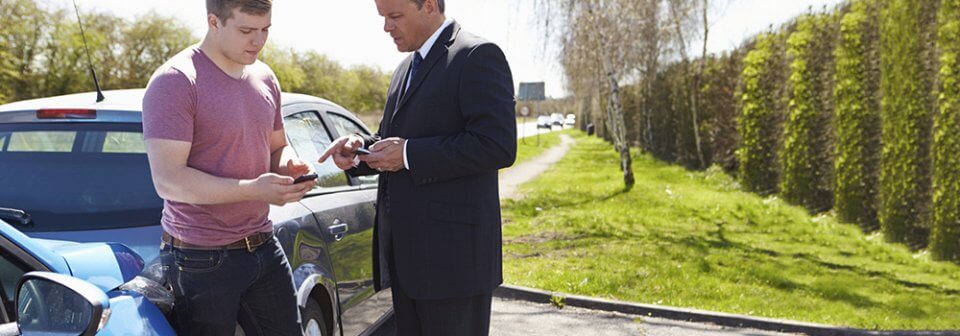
(521, 318)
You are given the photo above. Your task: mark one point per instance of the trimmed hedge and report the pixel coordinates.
(761, 113)
(945, 240)
(908, 105)
(857, 123)
(806, 154)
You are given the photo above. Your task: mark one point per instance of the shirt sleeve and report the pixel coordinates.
(169, 107)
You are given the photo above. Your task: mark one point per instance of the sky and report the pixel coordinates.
(350, 31)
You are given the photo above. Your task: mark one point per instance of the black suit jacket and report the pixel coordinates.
(444, 212)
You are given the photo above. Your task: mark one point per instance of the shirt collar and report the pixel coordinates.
(425, 48)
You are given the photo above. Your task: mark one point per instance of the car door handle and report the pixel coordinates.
(339, 229)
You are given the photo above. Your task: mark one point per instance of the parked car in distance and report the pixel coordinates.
(556, 119)
(570, 120)
(62, 288)
(77, 170)
(544, 122)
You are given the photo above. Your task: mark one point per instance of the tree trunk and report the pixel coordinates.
(615, 109)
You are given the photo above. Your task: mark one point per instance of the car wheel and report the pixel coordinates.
(313, 322)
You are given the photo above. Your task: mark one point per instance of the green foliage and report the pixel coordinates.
(719, 109)
(945, 240)
(361, 89)
(806, 154)
(908, 67)
(761, 113)
(857, 124)
(44, 54)
(147, 42)
(665, 97)
(23, 26)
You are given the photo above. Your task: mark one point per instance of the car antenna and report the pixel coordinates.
(96, 83)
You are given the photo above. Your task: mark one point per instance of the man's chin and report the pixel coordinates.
(246, 59)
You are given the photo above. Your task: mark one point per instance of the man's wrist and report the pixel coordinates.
(245, 188)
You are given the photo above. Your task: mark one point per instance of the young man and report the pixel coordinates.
(448, 127)
(219, 158)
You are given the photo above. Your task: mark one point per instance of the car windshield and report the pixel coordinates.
(77, 176)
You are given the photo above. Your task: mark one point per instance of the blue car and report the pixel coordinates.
(75, 169)
(64, 288)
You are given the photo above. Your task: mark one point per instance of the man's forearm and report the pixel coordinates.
(189, 185)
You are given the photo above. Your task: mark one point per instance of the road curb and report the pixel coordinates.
(693, 315)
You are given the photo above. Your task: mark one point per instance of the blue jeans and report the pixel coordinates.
(215, 290)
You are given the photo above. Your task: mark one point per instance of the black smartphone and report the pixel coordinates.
(305, 178)
(363, 151)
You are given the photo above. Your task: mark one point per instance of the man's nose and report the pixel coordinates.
(387, 26)
(261, 39)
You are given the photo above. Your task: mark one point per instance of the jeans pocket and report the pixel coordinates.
(195, 261)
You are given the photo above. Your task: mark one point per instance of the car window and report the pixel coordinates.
(124, 142)
(309, 138)
(41, 141)
(77, 176)
(346, 126)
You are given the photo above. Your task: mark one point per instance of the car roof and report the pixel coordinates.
(130, 100)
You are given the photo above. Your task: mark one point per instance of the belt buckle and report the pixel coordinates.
(246, 240)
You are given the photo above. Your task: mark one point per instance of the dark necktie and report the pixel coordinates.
(413, 71)
(416, 64)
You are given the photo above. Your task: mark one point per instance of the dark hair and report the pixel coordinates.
(420, 4)
(223, 9)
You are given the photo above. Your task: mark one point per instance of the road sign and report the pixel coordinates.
(524, 111)
(533, 91)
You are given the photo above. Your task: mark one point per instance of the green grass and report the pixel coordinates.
(693, 239)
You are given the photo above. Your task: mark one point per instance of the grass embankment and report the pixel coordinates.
(693, 239)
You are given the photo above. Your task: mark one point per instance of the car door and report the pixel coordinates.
(343, 213)
(11, 269)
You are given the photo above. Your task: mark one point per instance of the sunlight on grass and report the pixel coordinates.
(692, 239)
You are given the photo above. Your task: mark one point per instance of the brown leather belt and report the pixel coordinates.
(250, 243)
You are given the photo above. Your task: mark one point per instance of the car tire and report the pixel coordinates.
(313, 322)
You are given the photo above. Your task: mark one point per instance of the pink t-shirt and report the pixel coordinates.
(228, 121)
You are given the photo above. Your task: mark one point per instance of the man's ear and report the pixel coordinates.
(212, 21)
(431, 6)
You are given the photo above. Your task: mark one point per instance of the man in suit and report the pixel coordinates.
(448, 127)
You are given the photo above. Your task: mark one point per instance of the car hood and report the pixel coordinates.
(105, 265)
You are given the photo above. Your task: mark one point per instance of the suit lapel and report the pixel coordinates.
(437, 52)
(393, 96)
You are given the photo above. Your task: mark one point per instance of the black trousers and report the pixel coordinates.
(469, 316)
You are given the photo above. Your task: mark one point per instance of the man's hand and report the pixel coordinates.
(275, 189)
(296, 168)
(343, 151)
(386, 155)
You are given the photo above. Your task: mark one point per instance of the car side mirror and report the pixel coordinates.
(56, 304)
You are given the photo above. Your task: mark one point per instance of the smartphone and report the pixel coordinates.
(363, 151)
(305, 178)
